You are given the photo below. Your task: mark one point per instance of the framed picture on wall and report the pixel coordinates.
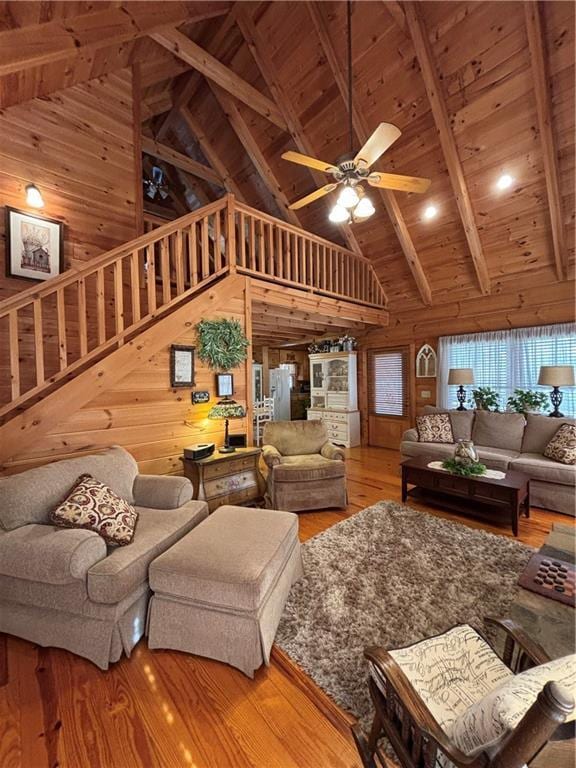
(224, 384)
(181, 366)
(34, 245)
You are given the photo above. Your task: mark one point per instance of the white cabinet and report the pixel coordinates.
(334, 395)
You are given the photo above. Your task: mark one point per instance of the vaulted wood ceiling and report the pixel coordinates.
(477, 88)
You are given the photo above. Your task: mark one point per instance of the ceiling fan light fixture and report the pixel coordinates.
(339, 214)
(348, 198)
(364, 209)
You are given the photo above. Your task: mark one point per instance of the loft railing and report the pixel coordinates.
(52, 329)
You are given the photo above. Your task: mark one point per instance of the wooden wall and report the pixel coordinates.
(145, 415)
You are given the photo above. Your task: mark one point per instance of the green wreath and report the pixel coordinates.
(221, 343)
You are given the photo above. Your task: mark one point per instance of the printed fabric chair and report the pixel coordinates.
(452, 701)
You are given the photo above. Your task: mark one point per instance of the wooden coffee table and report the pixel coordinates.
(469, 495)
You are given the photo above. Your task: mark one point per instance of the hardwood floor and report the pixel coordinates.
(162, 709)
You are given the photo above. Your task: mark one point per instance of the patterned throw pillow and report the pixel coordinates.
(486, 722)
(434, 428)
(562, 447)
(92, 505)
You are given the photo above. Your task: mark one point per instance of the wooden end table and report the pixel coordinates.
(226, 478)
(506, 497)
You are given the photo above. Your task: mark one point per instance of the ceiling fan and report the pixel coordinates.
(351, 170)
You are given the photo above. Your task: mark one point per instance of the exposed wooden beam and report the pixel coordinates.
(52, 41)
(246, 137)
(395, 10)
(540, 77)
(186, 87)
(268, 70)
(362, 134)
(216, 72)
(441, 118)
(177, 159)
(210, 153)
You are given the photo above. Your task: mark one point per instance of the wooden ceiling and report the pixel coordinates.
(477, 88)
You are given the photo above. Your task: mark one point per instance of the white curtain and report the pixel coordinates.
(506, 360)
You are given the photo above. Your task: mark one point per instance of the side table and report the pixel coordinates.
(227, 478)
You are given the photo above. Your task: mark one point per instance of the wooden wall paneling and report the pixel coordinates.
(137, 133)
(362, 133)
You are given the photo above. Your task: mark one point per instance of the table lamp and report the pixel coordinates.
(461, 376)
(556, 376)
(227, 409)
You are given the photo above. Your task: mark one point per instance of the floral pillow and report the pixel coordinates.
(562, 447)
(434, 428)
(92, 505)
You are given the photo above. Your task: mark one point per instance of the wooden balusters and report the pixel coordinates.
(38, 341)
(118, 297)
(217, 243)
(14, 353)
(151, 278)
(179, 262)
(231, 247)
(135, 285)
(82, 320)
(165, 269)
(61, 329)
(193, 254)
(205, 250)
(242, 239)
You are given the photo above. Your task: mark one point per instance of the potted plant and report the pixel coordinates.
(348, 343)
(526, 401)
(485, 399)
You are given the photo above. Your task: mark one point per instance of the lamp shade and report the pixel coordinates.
(227, 409)
(461, 376)
(556, 375)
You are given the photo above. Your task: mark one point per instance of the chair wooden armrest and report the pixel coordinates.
(520, 651)
(406, 721)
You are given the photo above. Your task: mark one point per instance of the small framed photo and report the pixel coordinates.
(181, 366)
(34, 245)
(224, 384)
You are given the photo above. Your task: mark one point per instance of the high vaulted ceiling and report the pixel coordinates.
(478, 89)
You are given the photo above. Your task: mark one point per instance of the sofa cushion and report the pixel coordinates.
(434, 428)
(410, 448)
(499, 430)
(496, 458)
(30, 496)
(538, 467)
(292, 438)
(539, 431)
(562, 447)
(491, 718)
(127, 567)
(49, 555)
(298, 469)
(232, 560)
(462, 421)
(95, 507)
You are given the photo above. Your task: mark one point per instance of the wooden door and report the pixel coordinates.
(390, 396)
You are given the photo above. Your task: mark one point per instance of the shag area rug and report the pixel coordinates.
(390, 576)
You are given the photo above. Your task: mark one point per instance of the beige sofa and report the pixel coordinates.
(508, 441)
(305, 470)
(64, 587)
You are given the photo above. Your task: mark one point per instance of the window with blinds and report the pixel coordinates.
(388, 389)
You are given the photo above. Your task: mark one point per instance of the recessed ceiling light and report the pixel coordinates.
(505, 181)
(430, 212)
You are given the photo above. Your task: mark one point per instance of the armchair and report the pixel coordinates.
(426, 723)
(305, 470)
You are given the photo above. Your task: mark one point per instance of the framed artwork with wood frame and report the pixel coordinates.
(181, 366)
(34, 245)
(224, 384)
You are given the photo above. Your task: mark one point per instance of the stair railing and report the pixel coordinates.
(56, 327)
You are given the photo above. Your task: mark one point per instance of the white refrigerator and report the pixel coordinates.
(280, 391)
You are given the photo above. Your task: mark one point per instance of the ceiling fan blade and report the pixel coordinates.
(382, 138)
(309, 162)
(313, 196)
(402, 183)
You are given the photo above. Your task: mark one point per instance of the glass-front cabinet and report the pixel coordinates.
(334, 396)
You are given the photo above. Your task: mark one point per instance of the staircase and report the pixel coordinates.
(60, 328)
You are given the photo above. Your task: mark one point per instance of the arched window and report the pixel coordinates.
(426, 362)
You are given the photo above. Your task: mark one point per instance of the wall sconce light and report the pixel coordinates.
(33, 197)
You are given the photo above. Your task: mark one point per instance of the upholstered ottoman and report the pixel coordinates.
(220, 591)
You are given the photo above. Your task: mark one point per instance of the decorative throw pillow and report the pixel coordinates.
(434, 428)
(562, 447)
(490, 719)
(92, 505)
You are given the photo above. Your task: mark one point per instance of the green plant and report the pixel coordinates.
(485, 399)
(221, 343)
(464, 470)
(524, 400)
